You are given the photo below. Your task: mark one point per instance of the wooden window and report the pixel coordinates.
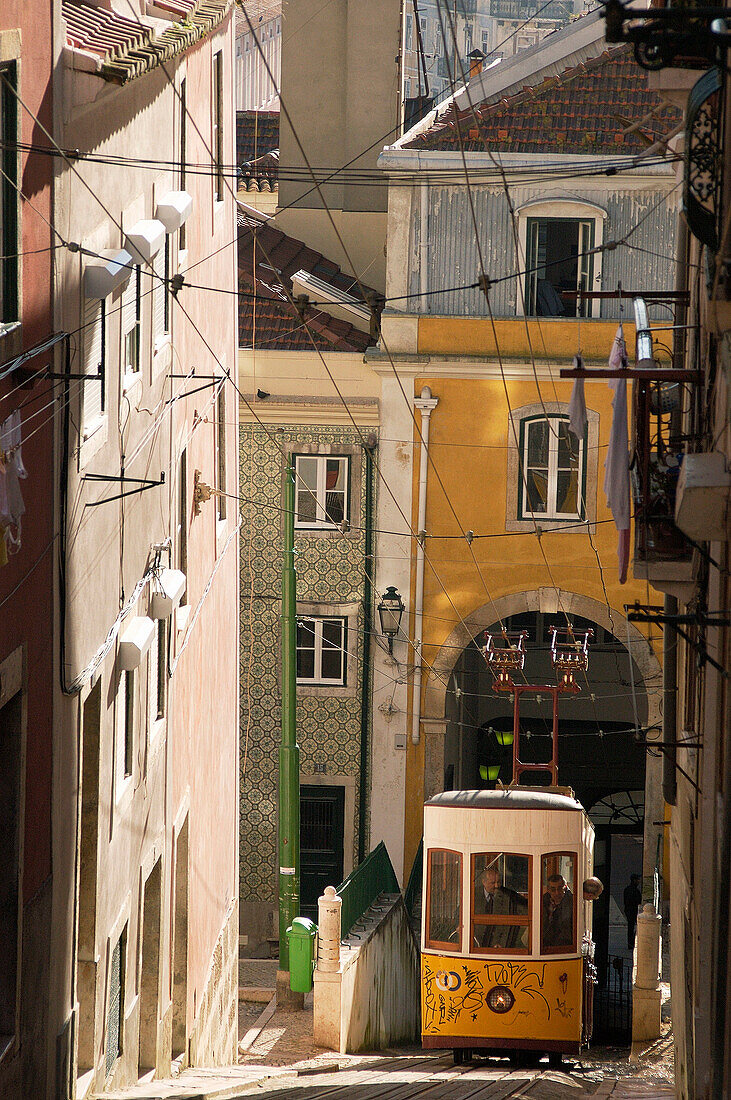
(558, 903)
(160, 292)
(125, 728)
(11, 829)
(443, 900)
(9, 197)
(158, 671)
(553, 482)
(500, 903)
(221, 448)
(183, 106)
(182, 525)
(558, 259)
(131, 323)
(218, 125)
(94, 364)
(115, 1009)
(321, 485)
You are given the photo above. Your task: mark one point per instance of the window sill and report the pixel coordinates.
(123, 794)
(306, 689)
(94, 438)
(162, 353)
(182, 617)
(571, 525)
(330, 532)
(11, 345)
(130, 381)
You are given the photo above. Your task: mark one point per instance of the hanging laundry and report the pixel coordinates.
(12, 470)
(616, 465)
(577, 404)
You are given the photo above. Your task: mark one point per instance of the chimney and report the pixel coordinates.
(476, 59)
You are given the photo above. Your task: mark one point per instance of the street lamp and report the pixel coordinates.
(390, 610)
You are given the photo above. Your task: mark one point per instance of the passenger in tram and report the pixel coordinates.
(558, 913)
(491, 897)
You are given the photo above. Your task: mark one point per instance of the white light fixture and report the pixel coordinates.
(144, 240)
(103, 274)
(168, 594)
(173, 210)
(135, 642)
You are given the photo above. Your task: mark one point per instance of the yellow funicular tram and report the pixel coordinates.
(506, 952)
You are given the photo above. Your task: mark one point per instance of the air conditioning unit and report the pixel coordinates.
(167, 593)
(135, 642)
(703, 498)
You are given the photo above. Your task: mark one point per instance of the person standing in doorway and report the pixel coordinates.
(632, 898)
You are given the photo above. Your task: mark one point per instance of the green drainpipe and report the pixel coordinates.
(289, 770)
(365, 704)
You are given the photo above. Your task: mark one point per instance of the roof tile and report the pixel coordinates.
(586, 105)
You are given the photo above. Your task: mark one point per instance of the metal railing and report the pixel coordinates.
(412, 893)
(374, 876)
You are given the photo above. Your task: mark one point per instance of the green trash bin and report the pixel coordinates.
(301, 939)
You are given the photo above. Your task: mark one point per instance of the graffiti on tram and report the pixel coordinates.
(465, 996)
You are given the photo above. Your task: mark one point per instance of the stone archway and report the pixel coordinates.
(549, 601)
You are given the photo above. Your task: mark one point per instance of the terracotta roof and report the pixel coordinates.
(257, 144)
(278, 327)
(119, 49)
(584, 110)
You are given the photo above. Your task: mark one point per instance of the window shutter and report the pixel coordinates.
(158, 295)
(129, 303)
(91, 397)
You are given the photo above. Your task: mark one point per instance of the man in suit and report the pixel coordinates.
(492, 898)
(558, 913)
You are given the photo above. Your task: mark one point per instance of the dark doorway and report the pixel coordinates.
(322, 824)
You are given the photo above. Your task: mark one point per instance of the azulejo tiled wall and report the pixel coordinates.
(330, 569)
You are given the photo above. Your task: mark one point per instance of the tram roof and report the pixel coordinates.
(510, 799)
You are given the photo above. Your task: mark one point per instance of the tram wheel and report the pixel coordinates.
(555, 1059)
(458, 1053)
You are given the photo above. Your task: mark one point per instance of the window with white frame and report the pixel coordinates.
(94, 363)
(321, 483)
(131, 323)
(552, 462)
(322, 650)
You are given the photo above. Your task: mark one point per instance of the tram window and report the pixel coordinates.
(444, 894)
(558, 902)
(500, 902)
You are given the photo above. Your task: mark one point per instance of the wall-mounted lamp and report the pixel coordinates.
(390, 611)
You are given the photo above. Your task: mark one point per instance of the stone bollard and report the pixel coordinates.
(646, 994)
(328, 979)
(328, 931)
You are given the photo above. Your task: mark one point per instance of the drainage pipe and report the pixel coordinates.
(426, 404)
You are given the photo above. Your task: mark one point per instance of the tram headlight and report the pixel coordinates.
(500, 999)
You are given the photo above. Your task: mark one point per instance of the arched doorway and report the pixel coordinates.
(599, 753)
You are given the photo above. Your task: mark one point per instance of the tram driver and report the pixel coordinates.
(493, 898)
(558, 913)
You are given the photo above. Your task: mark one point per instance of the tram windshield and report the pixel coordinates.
(500, 902)
(558, 902)
(444, 909)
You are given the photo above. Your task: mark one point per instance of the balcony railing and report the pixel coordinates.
(667, 34)
(662, 411)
